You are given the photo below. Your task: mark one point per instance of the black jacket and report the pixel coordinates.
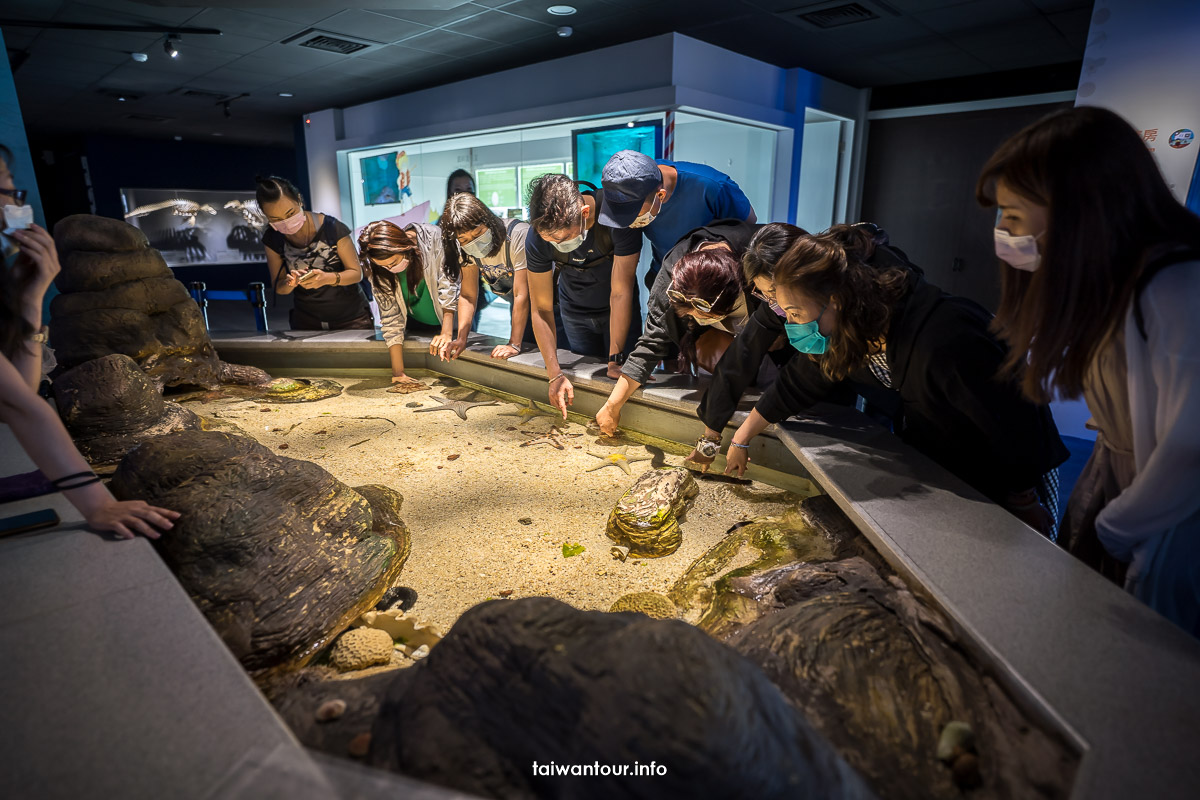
(943, 363)
(739, 366)
(663, 326)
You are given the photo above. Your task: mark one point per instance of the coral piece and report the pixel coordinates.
(360, 648)
(652, 604)
(646, 518)
(401, 627)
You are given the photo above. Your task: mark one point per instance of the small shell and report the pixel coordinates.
(955, 735)
(331, 710)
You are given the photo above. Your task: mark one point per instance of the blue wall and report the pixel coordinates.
(12, 135)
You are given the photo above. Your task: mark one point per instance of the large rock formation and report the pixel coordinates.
(110, 406)
(882, 676)
(534, 681)
(119, 296)
(279, 555)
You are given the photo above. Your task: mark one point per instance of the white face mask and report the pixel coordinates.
(648, 217)
(480, 247)
(574, 242)
(17, 218)
(1019, 252)
(399, 267)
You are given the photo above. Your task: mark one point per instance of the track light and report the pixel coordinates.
(169, 45)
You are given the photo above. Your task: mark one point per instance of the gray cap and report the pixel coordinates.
(629, 178)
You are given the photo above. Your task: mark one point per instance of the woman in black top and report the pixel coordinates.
(311, 255)
(698, 303)
(877, 325)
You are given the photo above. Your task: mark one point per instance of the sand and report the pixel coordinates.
(488, 518)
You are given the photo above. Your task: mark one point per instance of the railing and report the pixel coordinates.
(255, 293)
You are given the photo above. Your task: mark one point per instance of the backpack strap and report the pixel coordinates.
(1151, 269)
(508, 229)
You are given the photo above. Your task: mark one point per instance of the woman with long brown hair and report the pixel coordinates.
(407, 272)
(480, 245)
(925, 356)
(1100, 289)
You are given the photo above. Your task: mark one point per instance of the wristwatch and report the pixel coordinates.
(41, 337)
(617, 358)
(709, 448)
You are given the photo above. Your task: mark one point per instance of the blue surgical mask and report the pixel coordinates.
(807, 337)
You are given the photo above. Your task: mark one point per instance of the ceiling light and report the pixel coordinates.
(565, 31)
(561, 11)
(121, 99)
(141, 58)
(285, 94)
(217, 133)
(178, 138)
(169, 46)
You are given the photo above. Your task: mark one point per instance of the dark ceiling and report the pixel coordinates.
(70, 81)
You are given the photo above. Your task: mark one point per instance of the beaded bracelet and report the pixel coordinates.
(743, 446)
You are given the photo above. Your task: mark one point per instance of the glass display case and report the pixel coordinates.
(192, 227)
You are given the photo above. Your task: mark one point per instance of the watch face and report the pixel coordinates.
(707, 449)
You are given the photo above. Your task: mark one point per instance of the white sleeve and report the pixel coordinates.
(447, 290)
(1164, 400)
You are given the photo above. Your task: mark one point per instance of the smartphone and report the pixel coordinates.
(312, 273)
(46, 518)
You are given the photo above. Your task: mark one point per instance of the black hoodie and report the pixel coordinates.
(946, 398)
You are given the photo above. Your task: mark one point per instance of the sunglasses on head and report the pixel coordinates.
(698, 303)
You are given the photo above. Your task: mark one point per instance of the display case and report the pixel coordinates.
(192, 227)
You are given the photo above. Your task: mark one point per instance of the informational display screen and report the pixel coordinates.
(591, 148)
(530, 171)
(380, 178)
(497, 187)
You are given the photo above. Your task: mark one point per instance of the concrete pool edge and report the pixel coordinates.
(1113, 676)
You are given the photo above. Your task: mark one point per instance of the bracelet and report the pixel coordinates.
(337, 279)
(516, 346)
(742, 446)
(76, 481)
(556, 377)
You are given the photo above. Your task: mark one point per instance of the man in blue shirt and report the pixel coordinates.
(666, 200)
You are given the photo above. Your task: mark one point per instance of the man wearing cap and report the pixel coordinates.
(665, 200)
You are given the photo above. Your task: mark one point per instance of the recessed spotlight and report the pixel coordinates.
(178, 138)
(141, 58)
(217, 133)
(169, 45)
(630, 125)
(561, 11)
(285, 94)
(565, 31)
(121, 99)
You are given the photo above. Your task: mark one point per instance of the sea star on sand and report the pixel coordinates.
(527, 412)
(617, 458)
(459, 407)
(553, 437)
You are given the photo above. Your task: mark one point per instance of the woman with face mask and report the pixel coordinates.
(479, 245)
(1100, 289)
(30, 265)
(407, 271)
(908, 347)
(311, 256)
(698, 303)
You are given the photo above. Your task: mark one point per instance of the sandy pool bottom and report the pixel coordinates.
(488, 517)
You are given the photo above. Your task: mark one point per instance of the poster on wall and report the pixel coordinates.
(1132, 66)
(497, 187)
(591, 148)
(198, 227)
(387, 179)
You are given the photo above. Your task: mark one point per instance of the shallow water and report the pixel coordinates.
(488, 517)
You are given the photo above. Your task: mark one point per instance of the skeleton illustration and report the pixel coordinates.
(188, 209)
(250, 212)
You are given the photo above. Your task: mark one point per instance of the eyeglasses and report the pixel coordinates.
(17, 194)
(698, 303)
(763, 296)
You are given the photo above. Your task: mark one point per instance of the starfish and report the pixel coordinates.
(526, 413)
(553, 437)
(618, 458)
(459, 407)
